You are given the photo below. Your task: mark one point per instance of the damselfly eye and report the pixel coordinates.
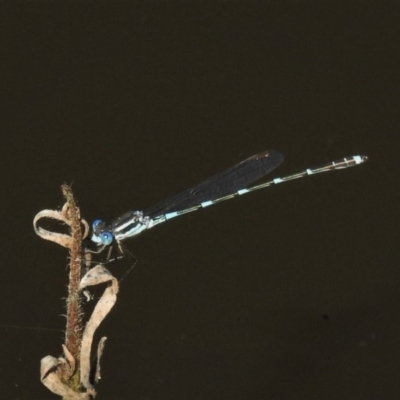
(106, 238)
(97, 226)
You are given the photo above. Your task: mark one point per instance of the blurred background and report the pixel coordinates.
(287, 293)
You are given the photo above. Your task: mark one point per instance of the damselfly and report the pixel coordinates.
(228, 184)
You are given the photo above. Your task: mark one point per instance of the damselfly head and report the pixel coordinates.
(101, 236)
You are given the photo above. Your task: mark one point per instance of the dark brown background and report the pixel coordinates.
(290, 293)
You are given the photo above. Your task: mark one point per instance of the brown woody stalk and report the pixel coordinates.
(73, 334)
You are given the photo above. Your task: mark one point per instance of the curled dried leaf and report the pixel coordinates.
(57, 237)
(96, 276)
(49, 367)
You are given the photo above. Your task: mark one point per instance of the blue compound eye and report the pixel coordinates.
(96, 224)
(106, 238)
